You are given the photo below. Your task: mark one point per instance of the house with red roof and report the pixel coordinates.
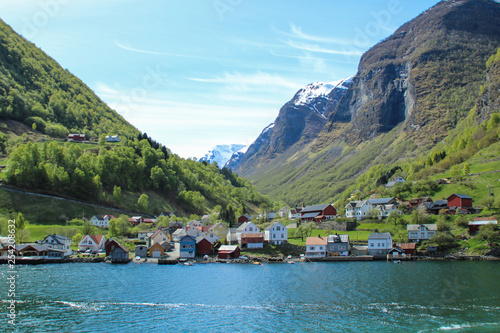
(92, 242)
(316, 247)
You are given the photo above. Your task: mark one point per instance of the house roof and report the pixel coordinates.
(483, 222)
(244, 225)
(58, 238)
(157, 232)
(416, 227)
(382, 235)
(343, 238)
(461, 196)
(310, 215)
(316, 241)
(228, 248)
(187, 238)
(315, 208)
(381, 201)
(118, 244)
(179, 232)
(408, 246)
(156, 245)
(439, 203)
(96, 238)
(216, 225)
(269, 227)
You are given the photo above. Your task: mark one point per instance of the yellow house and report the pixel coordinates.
(219, 229)
(156, 250)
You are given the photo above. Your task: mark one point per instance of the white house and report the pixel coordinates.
(246, 228)
(379, 244)
(210, 236)
(366, 208)
(178, 234)
(92, 242)
(112, 138)
(316, 247)
(294, 213)
(284, 211)
(395, 181)
(58, 242)
(144, 234)
(420, 232)
(194, 231)
(101, 221)
(276, 234)
(194, 224)
(232, 236)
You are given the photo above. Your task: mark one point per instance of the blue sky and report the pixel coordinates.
(194, 74)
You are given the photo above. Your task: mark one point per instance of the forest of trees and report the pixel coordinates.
(99, 174)
(35, 90)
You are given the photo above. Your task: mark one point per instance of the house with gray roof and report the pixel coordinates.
(420, 232)
(379, 244)
(371, 207)
(318, 213)
(338, 245)
(276, 234)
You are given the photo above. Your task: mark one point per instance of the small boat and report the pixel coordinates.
(256, 263)
(291, 262)
(398, 262)
(187, 263)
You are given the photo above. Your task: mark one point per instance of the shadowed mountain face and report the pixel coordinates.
(410, 90)
(423, 74)
(299, 121)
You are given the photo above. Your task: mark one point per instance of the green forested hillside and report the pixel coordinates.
(34, 89)
(51, 102)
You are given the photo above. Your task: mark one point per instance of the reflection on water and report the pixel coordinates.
(352, 296)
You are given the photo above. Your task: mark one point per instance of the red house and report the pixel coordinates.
(203, 247)
(76, 137)
(480, 221)
(459, 200)
(244, 218)
(408, 248)
(318, 213)
(229, 252)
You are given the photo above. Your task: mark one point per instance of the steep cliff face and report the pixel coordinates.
(489, 101)
(424, 75)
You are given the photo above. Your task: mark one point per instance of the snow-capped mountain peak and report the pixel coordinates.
(319, 89)
(222, 153)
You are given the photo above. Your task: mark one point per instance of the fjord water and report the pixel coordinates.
(305, 297)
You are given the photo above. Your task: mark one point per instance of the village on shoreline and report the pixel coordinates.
(203, 242)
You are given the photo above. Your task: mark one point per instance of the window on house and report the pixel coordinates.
(278, 228)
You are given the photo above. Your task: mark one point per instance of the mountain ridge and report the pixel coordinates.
(410, 90)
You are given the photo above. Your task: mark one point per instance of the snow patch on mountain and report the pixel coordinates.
(222, 153)
(315, 90)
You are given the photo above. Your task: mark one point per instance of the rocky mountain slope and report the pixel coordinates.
(299, 122)
(410, 90)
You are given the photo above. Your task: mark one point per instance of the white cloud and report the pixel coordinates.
(320, 49)
(246, 81)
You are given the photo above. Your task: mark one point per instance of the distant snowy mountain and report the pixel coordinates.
(222, 153)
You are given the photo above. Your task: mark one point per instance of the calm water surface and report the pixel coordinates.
(310, 297)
